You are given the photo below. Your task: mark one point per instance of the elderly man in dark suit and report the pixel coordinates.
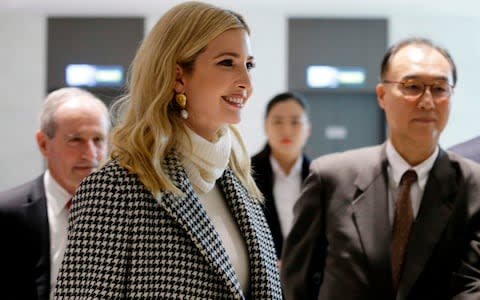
(469, 149)
(399, 220)
(33, 217)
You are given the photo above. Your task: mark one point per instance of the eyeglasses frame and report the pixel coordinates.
(425, 86)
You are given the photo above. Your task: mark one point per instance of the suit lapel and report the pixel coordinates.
(190, 214)
(305, 167)
(433, 216)
(36, 213)
(265, 183)
(370, 207)
(265, 177)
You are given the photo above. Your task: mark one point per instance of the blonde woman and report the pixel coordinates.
(175, 213)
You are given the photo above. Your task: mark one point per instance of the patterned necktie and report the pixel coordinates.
(402, 225)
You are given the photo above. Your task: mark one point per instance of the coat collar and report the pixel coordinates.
(188, 211)
(191, 215)
(35, 210)
(261, 161)
(370, 215)
(248, 215)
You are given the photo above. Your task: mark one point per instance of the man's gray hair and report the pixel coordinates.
(58, 97)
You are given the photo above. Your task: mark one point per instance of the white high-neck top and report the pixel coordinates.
(204, 163)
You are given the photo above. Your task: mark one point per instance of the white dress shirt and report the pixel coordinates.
(57, 198)
(286, 190)
(396, 167)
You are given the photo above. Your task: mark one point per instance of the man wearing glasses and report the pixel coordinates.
(399, 220)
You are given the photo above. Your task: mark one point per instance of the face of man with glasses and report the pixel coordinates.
(415, 94)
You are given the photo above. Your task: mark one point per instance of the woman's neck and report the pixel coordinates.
(286, 161)
(203, 160)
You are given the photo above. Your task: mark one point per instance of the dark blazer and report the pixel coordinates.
(469, 149)
(125, 243)
(25, 249)
(339, 248)
(263, 175)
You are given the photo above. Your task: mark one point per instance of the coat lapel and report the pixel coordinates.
(249, 217)
(263, 174)
(190, 214)
(433, 216)
(370, 207)
(36, 213)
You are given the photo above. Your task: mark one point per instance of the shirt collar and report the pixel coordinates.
(296, 169)
(398, 165)
(56, 194)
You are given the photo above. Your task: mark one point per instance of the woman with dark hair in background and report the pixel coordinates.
(281, 166)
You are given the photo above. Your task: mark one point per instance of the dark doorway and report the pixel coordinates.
(335, 63)
(342, 121)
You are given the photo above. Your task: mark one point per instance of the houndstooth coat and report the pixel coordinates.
(124, 244)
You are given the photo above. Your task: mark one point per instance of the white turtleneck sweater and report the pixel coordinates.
(204, 163)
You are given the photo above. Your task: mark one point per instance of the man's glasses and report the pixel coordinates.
(413, 90)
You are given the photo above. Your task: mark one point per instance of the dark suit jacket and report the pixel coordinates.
(25, 249)
(339, 248)
(263, 175)
(469, 149)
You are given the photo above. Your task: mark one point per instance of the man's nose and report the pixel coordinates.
(426, 100)
(90, 150)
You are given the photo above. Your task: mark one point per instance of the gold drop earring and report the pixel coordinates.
(181, 100)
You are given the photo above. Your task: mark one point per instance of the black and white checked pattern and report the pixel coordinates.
(123, 244)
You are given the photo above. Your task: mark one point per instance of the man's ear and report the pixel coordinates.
(179, 79)
(42, 141)
(380, 90)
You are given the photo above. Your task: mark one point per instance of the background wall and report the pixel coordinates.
(22, 85)
(23, 62)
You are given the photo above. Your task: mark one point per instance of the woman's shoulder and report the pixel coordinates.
(112, 175)
(110, 170)
(261, 157)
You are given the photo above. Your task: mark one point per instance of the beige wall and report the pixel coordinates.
(23, 62)
(22, 81)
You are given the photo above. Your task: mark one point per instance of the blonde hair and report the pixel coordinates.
(150, 123)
